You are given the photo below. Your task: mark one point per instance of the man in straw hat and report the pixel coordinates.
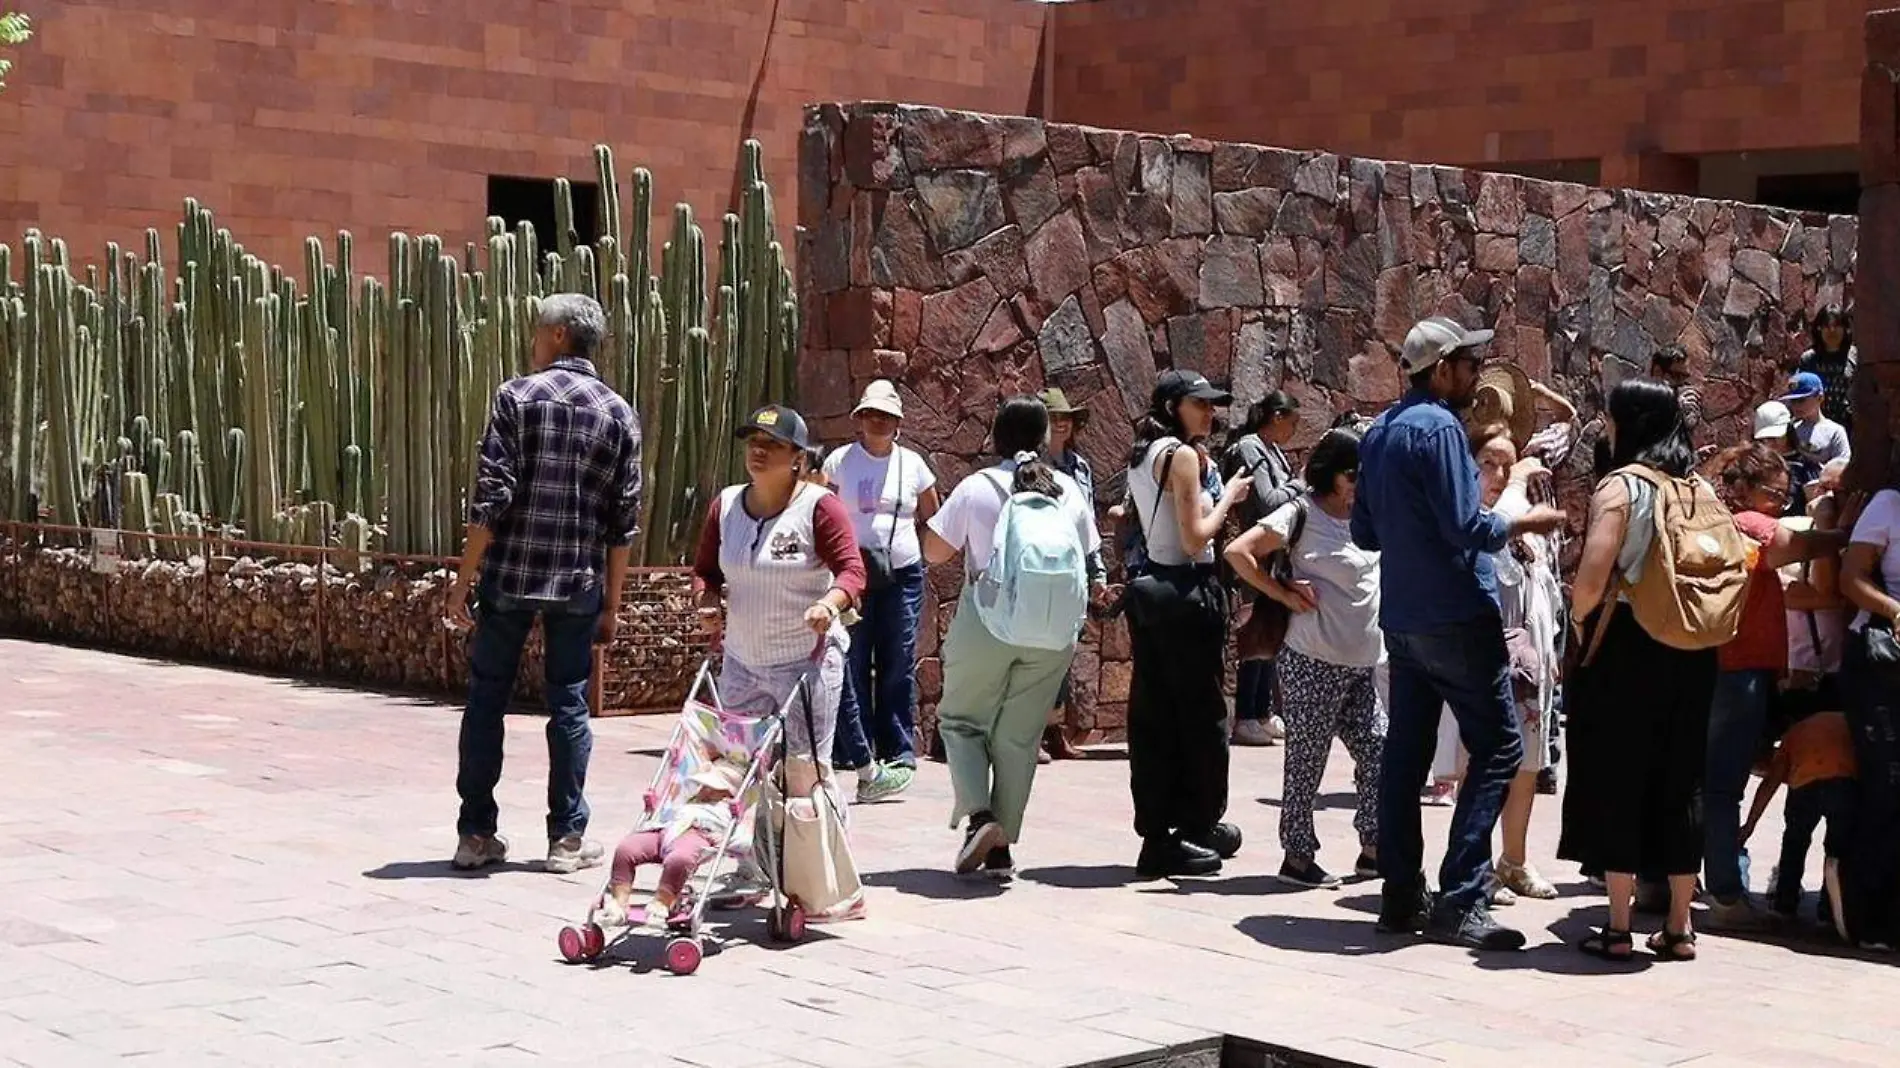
(1065, 422)
(1418, 505)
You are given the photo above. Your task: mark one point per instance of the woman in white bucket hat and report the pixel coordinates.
(888, 490)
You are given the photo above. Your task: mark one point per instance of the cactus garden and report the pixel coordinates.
(191, 389)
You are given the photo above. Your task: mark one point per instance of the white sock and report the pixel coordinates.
(867, 772)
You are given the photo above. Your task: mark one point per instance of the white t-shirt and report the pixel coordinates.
(1344, 629)
(1823, 440)
(1879, 526)
(968, 519)
(873, 488)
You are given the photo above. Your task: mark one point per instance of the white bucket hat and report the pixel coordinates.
(881, 396)
(1772, 421)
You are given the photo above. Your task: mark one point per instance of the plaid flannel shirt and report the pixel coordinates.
(558, 482)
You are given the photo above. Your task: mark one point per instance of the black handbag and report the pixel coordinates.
(878, 572)
(1876, 639)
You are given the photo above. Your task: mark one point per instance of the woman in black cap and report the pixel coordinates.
(776, 567)
(1177, 622)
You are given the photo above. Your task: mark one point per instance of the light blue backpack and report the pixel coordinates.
(1033, 594)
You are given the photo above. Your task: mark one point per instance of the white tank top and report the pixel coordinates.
(773, 574)
(1159, 528)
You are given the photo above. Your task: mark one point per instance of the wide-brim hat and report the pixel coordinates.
(1058, 404)
(1504, 395)
(881, 396)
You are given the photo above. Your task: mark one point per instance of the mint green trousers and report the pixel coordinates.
(996, 701)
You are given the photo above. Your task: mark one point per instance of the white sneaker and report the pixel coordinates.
(1277, 728)
(1253, 732)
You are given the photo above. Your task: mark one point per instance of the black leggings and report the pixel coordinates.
(1870, 870)
(1177, 712)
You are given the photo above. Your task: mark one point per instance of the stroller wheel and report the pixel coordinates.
(573, 945)
(683, 956)
(594, 940)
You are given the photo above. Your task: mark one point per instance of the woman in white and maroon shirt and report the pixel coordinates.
(782, 553)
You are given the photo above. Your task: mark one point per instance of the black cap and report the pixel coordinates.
(779, 423)
(1179, 385)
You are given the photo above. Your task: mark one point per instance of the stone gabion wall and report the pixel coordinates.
(381, 628)
(969, 257)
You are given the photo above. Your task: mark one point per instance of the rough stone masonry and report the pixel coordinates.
(969, 257)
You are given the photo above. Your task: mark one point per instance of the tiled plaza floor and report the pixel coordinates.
(206, 867)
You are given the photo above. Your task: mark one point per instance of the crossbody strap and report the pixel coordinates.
(898, 508)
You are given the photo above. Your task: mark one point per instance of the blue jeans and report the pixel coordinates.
(1465, 667)
(882, 670)
(1254, 683)
(494, 656)
(1737, 718)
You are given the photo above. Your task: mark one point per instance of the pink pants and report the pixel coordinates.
(676, 864)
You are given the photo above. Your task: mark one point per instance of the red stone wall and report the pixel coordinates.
(1468, 81)
(972, 257)
(296, 117)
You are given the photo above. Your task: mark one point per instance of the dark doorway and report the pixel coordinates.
(531, 200)
(1835, 194)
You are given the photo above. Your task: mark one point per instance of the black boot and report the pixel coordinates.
(1163, 858)
(1223, 839)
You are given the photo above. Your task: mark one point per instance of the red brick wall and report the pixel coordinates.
(295, 117)
(1877, 324)
(1472, 81)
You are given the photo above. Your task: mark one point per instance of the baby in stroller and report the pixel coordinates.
(679, 844)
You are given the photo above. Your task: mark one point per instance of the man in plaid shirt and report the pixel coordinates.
(555, 510)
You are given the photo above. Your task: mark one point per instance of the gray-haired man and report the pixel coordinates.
(555, 510)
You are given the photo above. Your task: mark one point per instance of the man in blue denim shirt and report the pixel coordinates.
(1418, 506)
(550, 523)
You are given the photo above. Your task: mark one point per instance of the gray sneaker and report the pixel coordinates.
(887, 782)
(474, 851)
(1742, 915)
(571, 854)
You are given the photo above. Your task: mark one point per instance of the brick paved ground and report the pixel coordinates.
(208, 867)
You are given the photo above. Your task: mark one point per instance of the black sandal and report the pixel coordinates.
(1667, 945)
(1607, 943)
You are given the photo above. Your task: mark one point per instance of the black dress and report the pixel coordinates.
(1638, 730)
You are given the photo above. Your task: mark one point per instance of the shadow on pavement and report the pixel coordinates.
(1245, 885)
(1084, 876)
(1322, 803)
(442, 869)
(1311, 934)
(935, 884)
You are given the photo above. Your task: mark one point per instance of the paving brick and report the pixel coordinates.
(263, 940)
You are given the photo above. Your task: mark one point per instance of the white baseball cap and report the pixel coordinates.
(1434, 339)
(881, 396)
(1772, 420)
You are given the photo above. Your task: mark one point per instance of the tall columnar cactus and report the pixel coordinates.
(272, 403)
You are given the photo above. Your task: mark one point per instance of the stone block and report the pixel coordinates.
(935, 139)
(949, 320)
(998, 257)
(859, 318)
(1129, 356)
(1203, 342)
(1246, 212)
(873, 154)
(901, 254)
(1058, 259)
(1065, 342)
(961, 207)
(1230, 274)
(1193, 211)
(1033, 195)
(1500, 207)
(1068, 147)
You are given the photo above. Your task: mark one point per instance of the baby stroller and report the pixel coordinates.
(706, 733)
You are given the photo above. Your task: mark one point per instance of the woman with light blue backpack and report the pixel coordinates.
(1026, 535)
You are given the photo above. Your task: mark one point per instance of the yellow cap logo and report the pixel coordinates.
(766, 417)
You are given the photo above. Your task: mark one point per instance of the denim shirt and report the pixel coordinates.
(1074, 465)
(1418, 504)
